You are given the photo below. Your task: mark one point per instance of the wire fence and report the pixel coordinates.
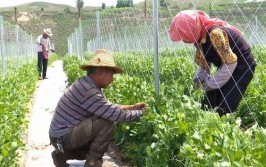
(133, 29)
(16, 46)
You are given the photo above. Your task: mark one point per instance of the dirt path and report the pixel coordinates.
(44, 102)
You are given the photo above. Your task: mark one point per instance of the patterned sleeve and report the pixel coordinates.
(200, 59)
(220, 42)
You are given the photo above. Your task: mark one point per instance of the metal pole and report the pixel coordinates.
(26, 49)
(17, 42)
(77, 42)
(256, 25)
(210, 7)
(72, 44)
(98, 31)
(2, 45)
(156, 52)
(81, 39)
(16, 16)
(145, 10)
(32, 47)
(68, 46)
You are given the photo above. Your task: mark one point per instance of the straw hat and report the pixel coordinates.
(48, 31)
(102, 58)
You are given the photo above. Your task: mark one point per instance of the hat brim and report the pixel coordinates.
(117, 70)
(49, 34)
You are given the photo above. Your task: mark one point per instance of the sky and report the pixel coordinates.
(98, 3)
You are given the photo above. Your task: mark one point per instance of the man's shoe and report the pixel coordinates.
(45, 78)
(59, 159)
(115, 153)
(93, 162)
(40, 78)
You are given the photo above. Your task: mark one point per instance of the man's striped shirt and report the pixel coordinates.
(83, 100)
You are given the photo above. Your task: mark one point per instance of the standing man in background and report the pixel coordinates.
(43, 46)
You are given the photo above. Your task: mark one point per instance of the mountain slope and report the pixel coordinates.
(63, 19)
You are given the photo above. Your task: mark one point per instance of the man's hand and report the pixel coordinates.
(140, 106)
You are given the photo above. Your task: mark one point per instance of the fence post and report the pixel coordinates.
(68, 45)
(2, 45)
(17, 42)
(81, 39)
(98, 30)
(156, 52)
(73, 43)
(26, 48)
(77, 42)
(32, 47)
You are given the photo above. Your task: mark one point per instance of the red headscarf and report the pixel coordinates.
(190, 25)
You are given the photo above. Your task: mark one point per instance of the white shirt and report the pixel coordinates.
(45, 41)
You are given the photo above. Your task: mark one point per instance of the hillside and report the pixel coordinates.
(36, 6)
(188, 3)
(34, 17)
(63, 19)
(62, 25)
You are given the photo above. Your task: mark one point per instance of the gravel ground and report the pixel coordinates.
(45, 98)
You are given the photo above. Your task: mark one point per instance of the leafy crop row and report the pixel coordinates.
(16, 90)
(175, 131)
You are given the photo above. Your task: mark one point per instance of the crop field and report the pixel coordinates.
(175, 131)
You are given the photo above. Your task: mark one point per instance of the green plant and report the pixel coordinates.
(16, 90)
(174, 130)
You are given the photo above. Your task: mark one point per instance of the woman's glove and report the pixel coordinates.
(200, 77)
(198, 82)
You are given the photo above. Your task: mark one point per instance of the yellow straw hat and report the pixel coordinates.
(102, 58)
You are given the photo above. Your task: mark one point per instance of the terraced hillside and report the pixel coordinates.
(63, 19)
(34, 17)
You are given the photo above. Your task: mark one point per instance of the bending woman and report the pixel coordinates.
(223, 46)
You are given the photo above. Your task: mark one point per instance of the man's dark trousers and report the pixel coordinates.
(42, 65)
